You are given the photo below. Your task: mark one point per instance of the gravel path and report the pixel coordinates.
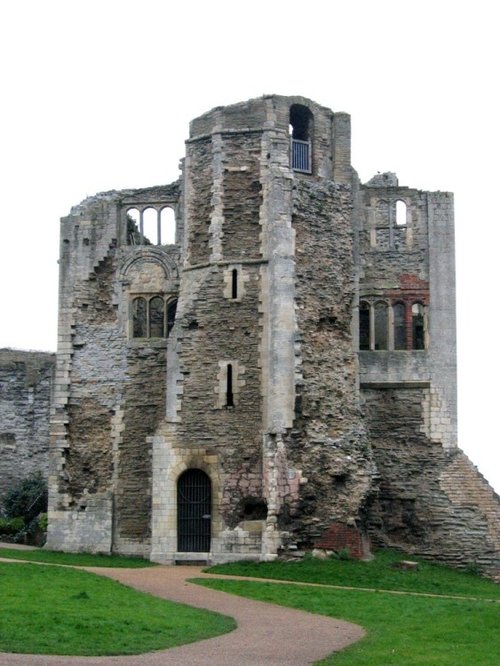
(267, 635)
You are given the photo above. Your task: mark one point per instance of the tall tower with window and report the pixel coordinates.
(263, 329)
(272, 369)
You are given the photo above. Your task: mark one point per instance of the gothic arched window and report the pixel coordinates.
(399, 312)
(381, 325)
(418, 326)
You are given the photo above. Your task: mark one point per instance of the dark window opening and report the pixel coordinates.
(171, 312)
(229, 386)
(234, 283)
(381, 326)
(418, 330)
(254, 509)
(156, 317)
(301, 125)
(364, 326)
(300, 121)
(399, 326)
(139, 320)
(150, 317)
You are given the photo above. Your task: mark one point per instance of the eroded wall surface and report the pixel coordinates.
(25, 396)
(110, 385)
(307, 430)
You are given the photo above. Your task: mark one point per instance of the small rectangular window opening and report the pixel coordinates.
(234, 283)
(229, 386)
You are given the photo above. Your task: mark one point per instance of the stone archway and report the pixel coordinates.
(194, 509)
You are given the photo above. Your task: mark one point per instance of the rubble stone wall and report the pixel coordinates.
(26, 380)
(428, 501)
(327, 442)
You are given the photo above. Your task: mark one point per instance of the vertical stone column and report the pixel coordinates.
(442, 323)
(279, 324)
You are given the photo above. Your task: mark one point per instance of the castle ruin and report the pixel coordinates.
(275, 370)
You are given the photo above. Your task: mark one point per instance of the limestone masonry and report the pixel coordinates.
(260, 357)
(26, 380)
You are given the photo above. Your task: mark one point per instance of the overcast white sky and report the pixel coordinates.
(98, 96)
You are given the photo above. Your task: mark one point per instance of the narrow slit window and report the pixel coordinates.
(229, 386)
(399, 326)
(139, 321)
(156, 317)
(171, 312)
(234, 283)
(364, 326)
(418, 329)
(381, 328)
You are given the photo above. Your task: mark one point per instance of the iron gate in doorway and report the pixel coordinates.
(194, 504)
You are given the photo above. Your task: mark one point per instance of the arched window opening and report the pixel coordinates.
(364, 326)
(171, 312)
(150, 226)
(139, 318)
(301, 121)
(399, 312)
(400, 213)
(381, 326)
(133, 227)
(166, 234)
(234, 283)
(194, 508)
(156, 317)
(418, 326)
(229, 386)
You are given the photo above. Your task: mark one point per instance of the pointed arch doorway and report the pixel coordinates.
(194, 507)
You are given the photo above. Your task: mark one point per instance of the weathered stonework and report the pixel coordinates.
(282, 376)
(26, 380)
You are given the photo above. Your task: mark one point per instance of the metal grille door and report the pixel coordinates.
(194, 500)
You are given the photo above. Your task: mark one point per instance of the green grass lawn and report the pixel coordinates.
(75, 559)
(402, 630)
(378, 574)
(58, 610)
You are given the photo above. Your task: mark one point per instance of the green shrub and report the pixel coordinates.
(43, 522)
(11, 526)
(27, 499)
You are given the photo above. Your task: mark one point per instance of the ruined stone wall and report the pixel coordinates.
(328, 442)
(199, 203)
(258, 384)
(25, 395)
(429, 501)
(215, 332)
(110, 386)
(216, 328)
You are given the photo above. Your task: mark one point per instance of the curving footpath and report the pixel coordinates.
(266, 635)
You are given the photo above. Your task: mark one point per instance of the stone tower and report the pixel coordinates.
(281, 375)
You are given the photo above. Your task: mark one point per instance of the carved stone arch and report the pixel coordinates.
(194, 462)
(149, 254)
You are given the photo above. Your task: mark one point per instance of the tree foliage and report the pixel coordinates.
(27, 499)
